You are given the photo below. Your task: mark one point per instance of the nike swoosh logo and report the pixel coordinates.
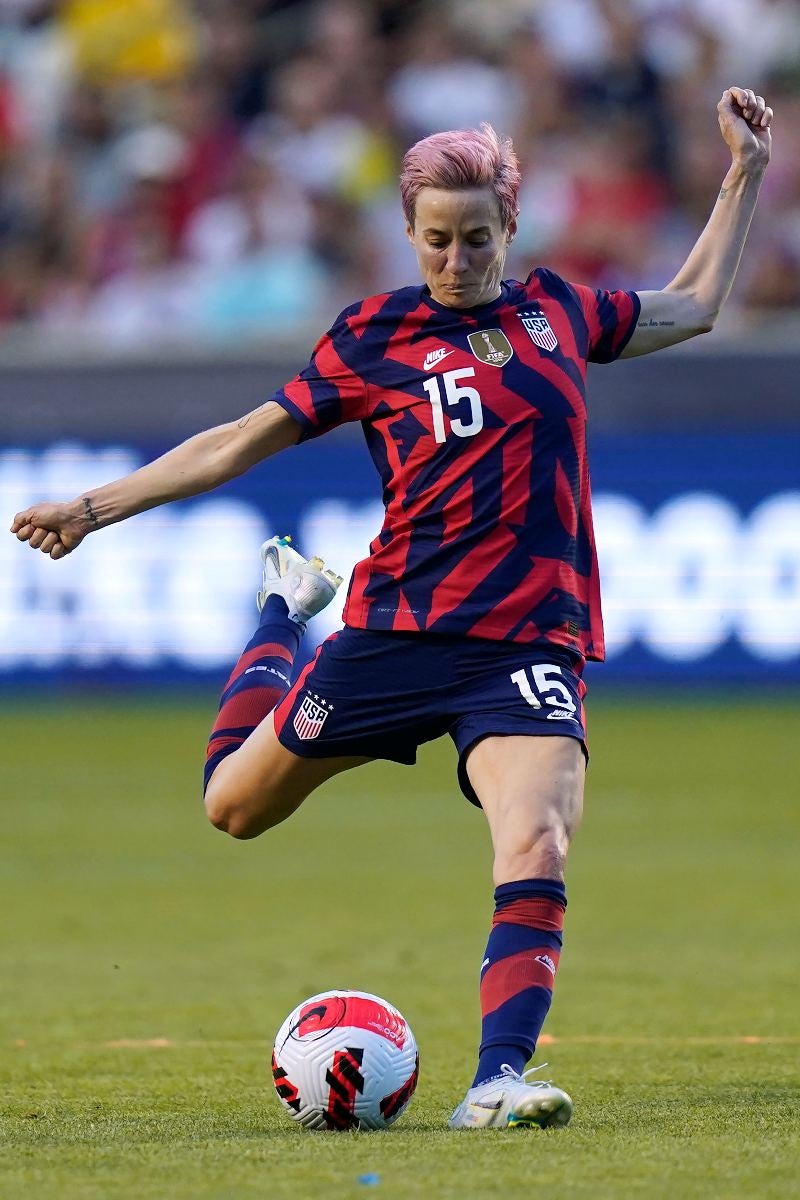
(436, 357)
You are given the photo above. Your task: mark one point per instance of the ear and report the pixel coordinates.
(511, 232)
(409, 233)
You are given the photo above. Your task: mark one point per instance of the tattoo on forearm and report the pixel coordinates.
(723, 193)
(89, 512)
(247, 416)
(651, 324)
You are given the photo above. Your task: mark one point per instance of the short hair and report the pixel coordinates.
(462, 158)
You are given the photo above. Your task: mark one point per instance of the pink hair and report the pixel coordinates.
(462, 158)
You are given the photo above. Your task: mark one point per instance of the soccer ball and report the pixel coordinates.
(345, 1060)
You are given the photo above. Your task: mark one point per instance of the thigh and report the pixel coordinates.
(508, 690)
(262, 783)
(531, 790)
(366, 694)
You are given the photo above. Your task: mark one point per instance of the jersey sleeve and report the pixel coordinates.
(610, 320)
(328, 392)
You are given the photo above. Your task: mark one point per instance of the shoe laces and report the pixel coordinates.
(525, 1076)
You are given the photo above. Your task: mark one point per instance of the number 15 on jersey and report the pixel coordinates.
(454, 394)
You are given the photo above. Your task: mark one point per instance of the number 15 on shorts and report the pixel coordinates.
(541, 685)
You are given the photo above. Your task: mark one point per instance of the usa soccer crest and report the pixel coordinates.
(539, 329)
(309, 719)
(491, 346)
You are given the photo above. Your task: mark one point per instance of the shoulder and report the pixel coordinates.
(362, 332)
(378, 309)
(544, 282)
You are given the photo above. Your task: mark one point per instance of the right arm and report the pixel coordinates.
(198, 465)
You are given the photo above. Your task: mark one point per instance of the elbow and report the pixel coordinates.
(694, 310)
(708, 317)
(703, 318)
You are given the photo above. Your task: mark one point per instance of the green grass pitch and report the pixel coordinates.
(147, 961)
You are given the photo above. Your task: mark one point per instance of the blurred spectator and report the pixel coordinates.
(264, 295)
(616, 204)
(152, 162)
(235, 60)
(321, 147)
(88, 134)
(344, 35)
(212, 168)
(264, 207)
(445, 84)
(342, 249)
(628, 89)
(194, 108)
(153, 300)
(39, 68)
(756, 37)
(576, 33)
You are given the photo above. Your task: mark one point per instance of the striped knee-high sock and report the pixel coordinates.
(261, 678)
(518, 972)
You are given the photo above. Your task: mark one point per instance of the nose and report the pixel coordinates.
(457, 258)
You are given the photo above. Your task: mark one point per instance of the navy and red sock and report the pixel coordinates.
(518, 972)
(260, 679)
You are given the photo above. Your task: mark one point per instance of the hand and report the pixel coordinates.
(745, 121)
(52, 528)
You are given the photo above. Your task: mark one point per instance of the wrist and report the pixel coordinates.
(748, 166)
(85, 514)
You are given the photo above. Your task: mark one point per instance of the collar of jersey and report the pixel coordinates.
(478, 310)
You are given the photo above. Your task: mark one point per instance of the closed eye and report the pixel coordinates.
(477, 242)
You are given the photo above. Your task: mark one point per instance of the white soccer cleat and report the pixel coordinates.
(511, 1101)
(306, 585)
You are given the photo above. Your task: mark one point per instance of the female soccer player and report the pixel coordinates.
(478, 602)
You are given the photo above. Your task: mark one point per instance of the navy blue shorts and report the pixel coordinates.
(381, 695)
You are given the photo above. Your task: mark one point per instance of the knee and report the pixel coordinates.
(228, 814)
(549, 832)
(540, 850)
(554, 835)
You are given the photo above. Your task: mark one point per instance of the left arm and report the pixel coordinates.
(691, 302)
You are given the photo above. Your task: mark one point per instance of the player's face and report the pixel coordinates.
(461, 244)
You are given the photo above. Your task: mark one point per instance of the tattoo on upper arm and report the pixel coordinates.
(722, 193)
(89, 512)
(651, 324)
(247, 416)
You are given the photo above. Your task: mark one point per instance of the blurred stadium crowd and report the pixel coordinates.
(208, 169)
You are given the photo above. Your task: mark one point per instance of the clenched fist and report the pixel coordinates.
(55, 529)
(745, 120)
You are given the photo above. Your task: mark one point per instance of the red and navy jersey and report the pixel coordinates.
(476, 422)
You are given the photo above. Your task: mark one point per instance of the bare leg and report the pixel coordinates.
(531, 790)
(262, 783)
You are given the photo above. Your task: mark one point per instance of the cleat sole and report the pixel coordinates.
(542, 1119)
(330, 576)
